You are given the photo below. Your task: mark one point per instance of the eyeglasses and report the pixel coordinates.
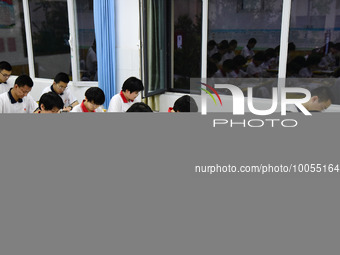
(24, 91)
(5, 75)
(61, 87)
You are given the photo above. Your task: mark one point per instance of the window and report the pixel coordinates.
(172, 44)
(87, 59)
(50, 35)
(53, 26)
(12, 36)
(314, 31)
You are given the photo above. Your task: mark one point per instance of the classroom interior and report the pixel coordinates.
(167, 43)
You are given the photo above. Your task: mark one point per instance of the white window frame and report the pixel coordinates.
(73, 41)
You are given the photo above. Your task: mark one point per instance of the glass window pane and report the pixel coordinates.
(86, 41)
(50, 34)
(243, 39)
(187, 42)
(13, 37)
(315, 45)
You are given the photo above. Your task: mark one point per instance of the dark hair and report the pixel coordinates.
(228, 64)
(291, 46)
(23, 80)
(323, 93)
(300, 61)
(211, 69)
(139, 107)
(5, 65)
(95, 95)
(313, 59)
(259, 56)
(223, 45)
(239, 60)
(270, 53)
(51, 100)
(61, 77)
(185, 104)
(252, 41)
(133, 84)
(233, 42)
(212, 43)
(216, 57)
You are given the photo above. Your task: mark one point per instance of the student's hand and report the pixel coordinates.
(67, 109)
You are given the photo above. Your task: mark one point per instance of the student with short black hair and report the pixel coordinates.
(127, 96)
(254, 68)
(17, 99)
(321, 99)
(184, 104)
(59, 87)
(5, 73)
(311, 65)
(50, 102)
(139, 107)
(94, 98)
(247, 52)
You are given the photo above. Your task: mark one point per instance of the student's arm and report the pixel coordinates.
(71, 99)
(70, 107)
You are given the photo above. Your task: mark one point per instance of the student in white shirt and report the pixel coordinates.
(94, 98)
(254, 68)
(247, 52)
(5, 73)
(17, 99)
(59, 86)
(127, 96)
(311, 64)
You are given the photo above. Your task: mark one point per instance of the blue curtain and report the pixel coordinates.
(104, 24)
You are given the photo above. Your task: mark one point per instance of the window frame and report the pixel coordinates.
(73, 44)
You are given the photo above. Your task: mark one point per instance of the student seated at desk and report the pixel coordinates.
(184, 104)
(254, 68)
(50, 102)
(17, 99)
(247, 52)
(127, 96)
(311, 65)
(239, 62)
(94, 98)
(227, 70)
(5, 73)
(59, 87)
(330, 59)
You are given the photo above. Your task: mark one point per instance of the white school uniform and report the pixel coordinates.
(119, 103)
(247, 52)
(252, 69)
(9, 105)
(305, 73)
(4, 87)
(327, 60)
(81, 108)
(66, 96)
(226, 56)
